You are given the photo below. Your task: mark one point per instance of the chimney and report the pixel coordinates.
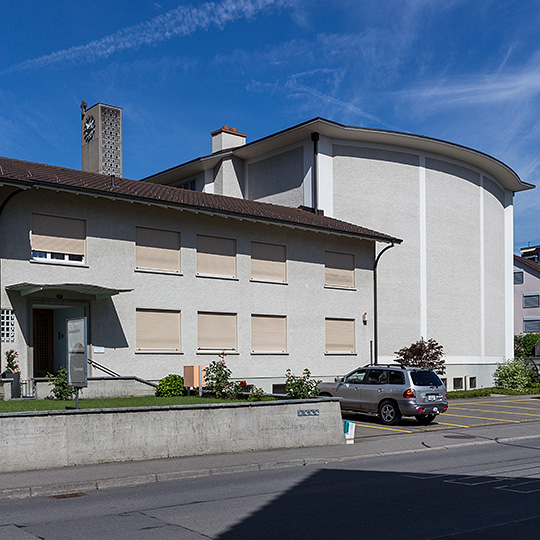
(225, 138)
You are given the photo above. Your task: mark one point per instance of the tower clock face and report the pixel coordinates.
(89, 128)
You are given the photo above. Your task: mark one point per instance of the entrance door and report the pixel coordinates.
(43, 342)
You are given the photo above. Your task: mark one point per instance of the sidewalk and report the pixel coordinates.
(92, 477)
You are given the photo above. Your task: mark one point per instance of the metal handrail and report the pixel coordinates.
(106, 370)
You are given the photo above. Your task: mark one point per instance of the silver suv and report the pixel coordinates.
(390, 392)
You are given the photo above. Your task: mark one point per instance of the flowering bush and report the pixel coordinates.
(216, 377)
(232, 389)
(302, 387)
(12, 366)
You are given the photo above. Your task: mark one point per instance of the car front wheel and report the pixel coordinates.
(425, 419)
(389, 413)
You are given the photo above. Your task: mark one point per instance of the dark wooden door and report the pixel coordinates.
(43, 342)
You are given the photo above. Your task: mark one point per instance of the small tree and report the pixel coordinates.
(425, 354)
(524, 344)
(216, 377)
(60, 387)
(303, 387)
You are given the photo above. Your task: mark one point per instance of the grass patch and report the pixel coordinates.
(484, 392)
(104, 403)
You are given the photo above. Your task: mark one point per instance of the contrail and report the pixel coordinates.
(182, 21)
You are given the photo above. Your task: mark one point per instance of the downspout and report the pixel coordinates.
(375, 311)
(315, 175)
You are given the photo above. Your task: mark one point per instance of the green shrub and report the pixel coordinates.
(171, 386)
(514, 374)
(302, 387)
(60, 388)
(256, 394)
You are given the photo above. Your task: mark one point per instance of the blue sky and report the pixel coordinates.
(460, 70)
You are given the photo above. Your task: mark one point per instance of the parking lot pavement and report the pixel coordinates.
(462, 413)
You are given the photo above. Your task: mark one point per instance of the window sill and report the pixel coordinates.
(156, 351)
(268, 281)
(269, 353)
(327, 353)
(59, 263)
(228, 352)
(208, 276)
(340, 288)
(165, 272)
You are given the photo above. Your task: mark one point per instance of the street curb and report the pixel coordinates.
(136, 480)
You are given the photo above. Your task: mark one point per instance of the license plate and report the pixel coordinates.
(432, 397)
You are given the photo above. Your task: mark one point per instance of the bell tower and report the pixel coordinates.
(101, 136)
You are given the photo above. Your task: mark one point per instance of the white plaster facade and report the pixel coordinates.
(451, 279)
(110, 262)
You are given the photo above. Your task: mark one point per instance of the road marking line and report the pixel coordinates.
(454, 425)
(381, 427)
(482, 418)
(509, 406)
(503, 412)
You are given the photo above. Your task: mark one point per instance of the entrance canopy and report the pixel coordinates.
(94, 291)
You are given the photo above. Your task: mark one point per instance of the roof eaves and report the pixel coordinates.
(42, 184)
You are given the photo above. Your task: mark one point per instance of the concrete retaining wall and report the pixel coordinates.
(62, 438)
(105, 387)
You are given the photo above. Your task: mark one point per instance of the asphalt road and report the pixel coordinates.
(464, 492)
(461, 414)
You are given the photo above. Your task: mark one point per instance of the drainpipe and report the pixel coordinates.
(375, 310)
(315, 175)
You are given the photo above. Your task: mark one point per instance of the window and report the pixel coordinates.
(157, 250)
(339, 336)
(268, 262)
(357, 377)
(472, 383)
(216, 256)
(216, 331)
(396, 377)
(518, 277)
(7, 325)
(268, 334)
(158, 330)
(377, 376)
(58, 238)
(531, 325)
(339, 269)
(531, 300)
(190, 185)
(458, 383)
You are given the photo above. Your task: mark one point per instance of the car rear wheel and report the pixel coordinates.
(425, 419)
(389, 413)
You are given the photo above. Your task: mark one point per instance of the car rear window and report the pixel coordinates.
(425, 378)
(396, 377)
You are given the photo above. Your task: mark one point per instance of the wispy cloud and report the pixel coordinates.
(182, 21)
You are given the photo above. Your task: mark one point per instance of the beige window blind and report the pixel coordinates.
(339, 335)
(268, 333)
(216, 256)
(54, 234)
(268, 262)
(158, 330)
(216, 331)
(157, 249)
(339, 269)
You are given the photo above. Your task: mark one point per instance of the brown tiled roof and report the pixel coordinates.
(527, 262)
(25, 173)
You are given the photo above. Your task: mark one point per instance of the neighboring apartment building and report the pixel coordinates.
(169, 277)
(450, 280)
(526, 293)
